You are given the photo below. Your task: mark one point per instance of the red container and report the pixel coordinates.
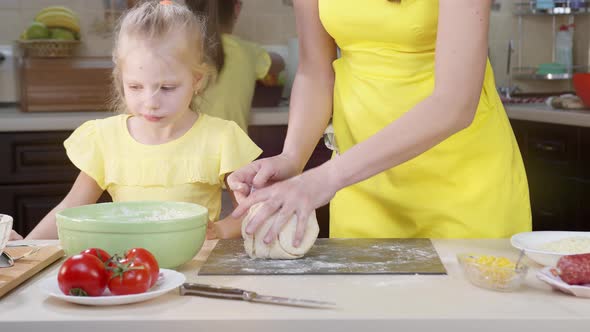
(582, 87)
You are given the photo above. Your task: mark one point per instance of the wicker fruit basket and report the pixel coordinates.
(49, 48)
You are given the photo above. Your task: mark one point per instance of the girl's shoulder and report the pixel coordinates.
(219, 131)
(100, 130)
(112, 123)
(215, 124)
(101, 127)
(109, 124)
(234, 43)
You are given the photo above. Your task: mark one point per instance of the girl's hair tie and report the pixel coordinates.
(166, 2)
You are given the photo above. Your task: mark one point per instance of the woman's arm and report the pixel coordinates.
(84, 191)
(310, 106)
(461, 53)
(313, 87)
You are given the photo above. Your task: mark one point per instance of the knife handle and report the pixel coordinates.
(216, 291)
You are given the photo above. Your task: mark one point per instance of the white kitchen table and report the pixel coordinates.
(365, 303)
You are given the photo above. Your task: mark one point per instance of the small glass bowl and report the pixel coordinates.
(491, 276)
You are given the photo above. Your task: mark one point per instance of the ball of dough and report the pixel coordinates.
(282, 248)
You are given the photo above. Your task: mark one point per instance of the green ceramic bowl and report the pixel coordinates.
(173, 231)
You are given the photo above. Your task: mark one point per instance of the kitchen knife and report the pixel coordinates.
(241, 294)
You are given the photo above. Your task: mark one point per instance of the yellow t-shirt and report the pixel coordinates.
(190, 168)
(230, 97)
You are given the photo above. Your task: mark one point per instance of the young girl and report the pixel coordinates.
(161, 148)
(239, 63)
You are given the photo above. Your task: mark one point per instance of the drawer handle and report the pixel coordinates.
(545, 213)
(549, 147)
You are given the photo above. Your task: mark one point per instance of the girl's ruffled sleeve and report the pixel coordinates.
(85, 151)
(263, 62)
(237, 150)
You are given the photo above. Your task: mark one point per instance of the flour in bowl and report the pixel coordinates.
(158, 214)
(568, 246)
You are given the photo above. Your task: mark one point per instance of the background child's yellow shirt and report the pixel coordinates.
(188, 169)
(230, 96)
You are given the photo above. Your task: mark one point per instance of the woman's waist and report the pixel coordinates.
(386, 64)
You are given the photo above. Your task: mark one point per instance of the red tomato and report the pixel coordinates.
(128, 277)
(82, 275)
(145, 258)
(101, 254)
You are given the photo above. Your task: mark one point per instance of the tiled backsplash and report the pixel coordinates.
(271, 22)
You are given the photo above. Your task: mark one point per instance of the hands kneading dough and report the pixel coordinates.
(282, 248)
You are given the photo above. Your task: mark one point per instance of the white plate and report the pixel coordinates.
(556, 282)
(531, 241)
(169, 280)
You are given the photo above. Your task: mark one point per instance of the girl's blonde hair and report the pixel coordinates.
(155, 22)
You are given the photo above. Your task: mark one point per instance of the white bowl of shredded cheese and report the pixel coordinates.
(546, 247)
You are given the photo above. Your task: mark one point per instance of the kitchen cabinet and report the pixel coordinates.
(35, 175)
(584, 180)
(584, 206)
(271, 138)
(556, 158)
(29, 203)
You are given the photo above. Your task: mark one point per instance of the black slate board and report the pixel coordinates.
(331, 256)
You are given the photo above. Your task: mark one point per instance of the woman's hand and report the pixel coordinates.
(299, 195)
(260, 174)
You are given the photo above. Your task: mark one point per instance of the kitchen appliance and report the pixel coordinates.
(331, 256)
(8, 75)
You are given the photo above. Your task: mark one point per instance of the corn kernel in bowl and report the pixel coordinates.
(492, 272)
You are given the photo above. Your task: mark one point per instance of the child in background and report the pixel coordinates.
(162, 147)
(239, 63)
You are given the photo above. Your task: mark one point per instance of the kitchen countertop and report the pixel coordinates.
(11, 119)
(373, 302)
(544, 113)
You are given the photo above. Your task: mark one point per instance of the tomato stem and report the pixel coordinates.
(78, 292)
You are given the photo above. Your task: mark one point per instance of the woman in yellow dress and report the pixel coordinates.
(425, 146)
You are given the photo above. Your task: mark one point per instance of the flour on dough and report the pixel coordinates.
(282, 248)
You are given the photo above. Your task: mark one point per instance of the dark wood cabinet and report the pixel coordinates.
(553, 202)
(35, 157)
(584, 148)
(271, 138)
(556, 158)
(35, 175)
(29, 203)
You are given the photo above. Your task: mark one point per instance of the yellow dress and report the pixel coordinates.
(472, 185)
(190, 168)
(230, 97)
